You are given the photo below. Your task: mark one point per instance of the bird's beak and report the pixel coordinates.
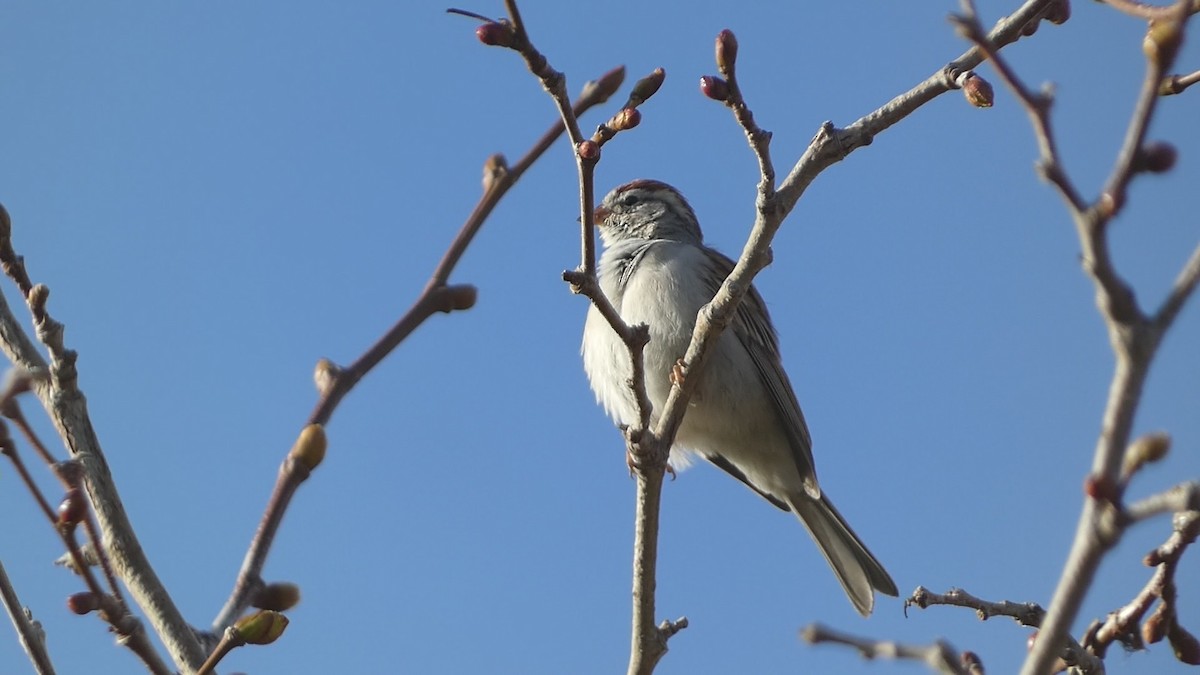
(600, 215)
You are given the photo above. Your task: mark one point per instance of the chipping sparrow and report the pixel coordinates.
(743, 417)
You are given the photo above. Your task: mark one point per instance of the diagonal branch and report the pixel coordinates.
(29, 632)
(647, 462)
(940, 657)
(1134, 337)
(66, 407)
(1176, 84)
(437, 296)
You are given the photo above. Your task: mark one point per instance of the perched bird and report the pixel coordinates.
(743, 416)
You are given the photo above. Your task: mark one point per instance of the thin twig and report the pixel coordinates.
(1122, 625)
(437, 296)
(1182, 497)
(29, 632)
(66, 406)
(1175, 84)
(939, 656)
(1134, 339)
(831, 144)
(1142, 10)
(647, 461)
(1025, 613)
(648, 642)
(1181, 290)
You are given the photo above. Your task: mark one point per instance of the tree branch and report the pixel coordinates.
(1133, 336)
(66, 407)
(438, 296)
(939, 656)
(29, 632)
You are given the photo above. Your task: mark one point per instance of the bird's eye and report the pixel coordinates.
(630, 200)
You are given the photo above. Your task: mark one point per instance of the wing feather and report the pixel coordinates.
(752, 327)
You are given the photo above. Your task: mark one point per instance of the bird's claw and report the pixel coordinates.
(678, 373)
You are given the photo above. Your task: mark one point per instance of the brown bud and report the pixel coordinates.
(325, 374)
(72, 509)
(83, 602)
(588, 150)
(627, 119)
(310, 446)
(1157, 157)
(714, 87)
(1100, 488)
(495, 167)
(495, 33)
(1187, 649)
(978, 91)
(727, 48)
(261, 628)
(646, 87)
(1059, 12)
(608, 83)
(1155, 626)
(1145, 450)
(462, 296)
(277, 597)
(1109, 203)
(1031, 27)
(1162, 40)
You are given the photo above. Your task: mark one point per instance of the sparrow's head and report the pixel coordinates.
(646, 209)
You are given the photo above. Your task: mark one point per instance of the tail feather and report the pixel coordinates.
(858, 571)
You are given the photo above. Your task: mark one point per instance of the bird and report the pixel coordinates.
(743, 416)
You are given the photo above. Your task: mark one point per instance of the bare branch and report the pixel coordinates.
(1184, 285)
(832, 145)
(437, 296)
(1146, 11)
(29, 631)
(647, 460)
(1134, 338)
(1175, 84)
(939, 656)
(1184, 497)
(66, 407)
(1122, 625)
(1025, 613)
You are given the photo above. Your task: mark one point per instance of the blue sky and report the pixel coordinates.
(220, 194)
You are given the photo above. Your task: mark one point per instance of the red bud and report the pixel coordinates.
(495, 34)
(1059, 12)
(1158, 157)
(588, 150)
(714, 87)
(727, 48)
(73, 508)
(978, 91)
(83, 602)
(627, 119)
(1100, 488)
